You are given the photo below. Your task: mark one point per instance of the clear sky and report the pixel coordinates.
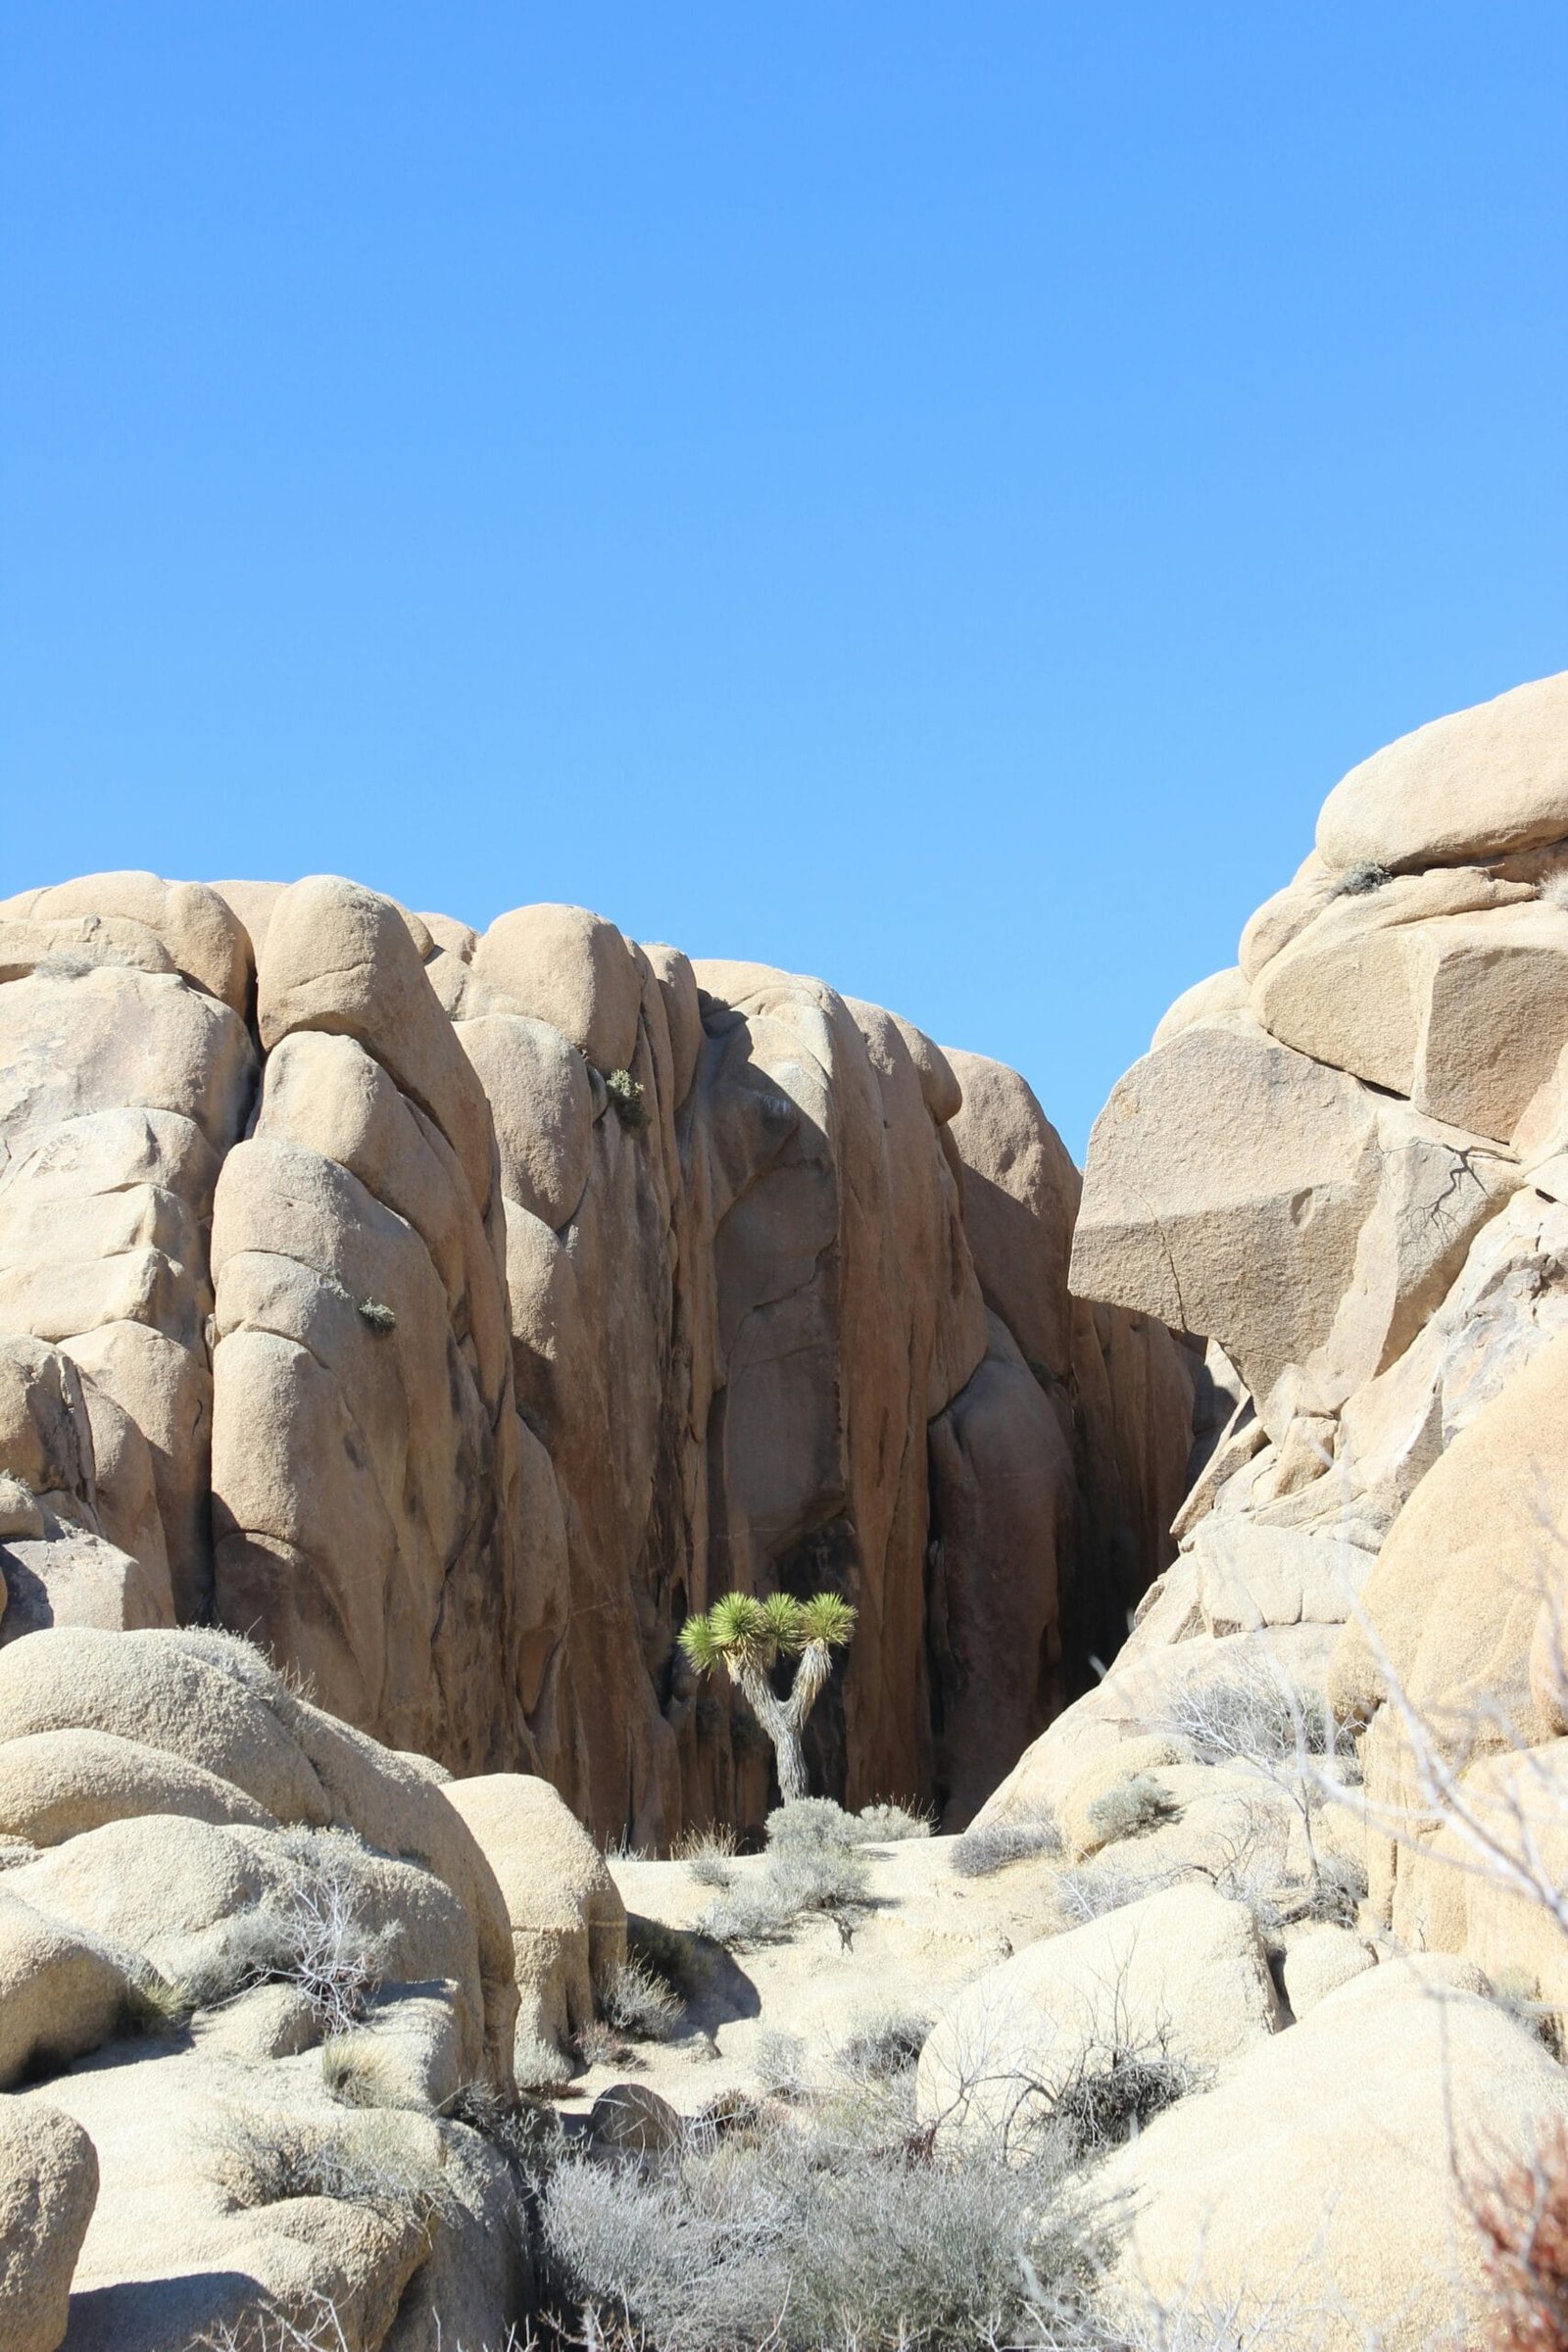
(931, 496)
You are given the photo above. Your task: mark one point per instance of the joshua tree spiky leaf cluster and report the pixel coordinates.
(746, 1638)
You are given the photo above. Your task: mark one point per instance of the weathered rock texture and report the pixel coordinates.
(455, 1314)
(1348, 1161)
(177, 1818)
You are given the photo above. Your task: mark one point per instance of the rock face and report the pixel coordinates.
(455, 1314)
(1345, 1162)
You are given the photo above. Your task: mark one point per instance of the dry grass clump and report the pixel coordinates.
(360, 2070)
(891, 1824)
(832, 2229)
(707, 1853)
(1035, 1837)
(641, 2003)
(265, 2159)
(886, 2045)
(1135, 1805)
(1091, 1888)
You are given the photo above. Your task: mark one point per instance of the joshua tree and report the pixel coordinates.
(748, 1637)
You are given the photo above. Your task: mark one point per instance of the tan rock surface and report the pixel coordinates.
(1184, 1965)
(1476, 784)
(1226, 1153)
(1464, 1013)
(568, 1923)
(48, 2187)
(197, 929)
(569, 968)
(612, 1359)
(62, 1990)
(1333, 2173)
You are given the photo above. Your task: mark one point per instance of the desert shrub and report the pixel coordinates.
(1134, 1805)
(1090, 1889)
(1361, 879)
(753, 1911)
(886, 2045)
(1555, 889)
(891, 1824)
(256, 2159)
(829, 1879)
(1335, 1895)
(525, 2131)
(1118, 2086)
(641, 2003)
(598, 2044)
(361, 2070)
(312, 1937)
(816, 1824)
(377, 1314)
(710, 1870)
(1248, 1714)
(626, 1095)
(778, 2061)
(266, 2327)
(979, 1852)
(1523, 2217)
(812, 1824)
(804, 2235)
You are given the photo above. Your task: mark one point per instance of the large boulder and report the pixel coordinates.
(1341, 2168)
(1449, 1612)
(1475, 785)
(569, 969)
(1182, 1974)
(48, 2187)
(61, 1989)
(1225, 1152)
(216, 1704)
(568, 1923)
(53, 1785)
(1461, 1011)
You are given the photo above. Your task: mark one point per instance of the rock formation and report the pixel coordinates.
(455, 1314)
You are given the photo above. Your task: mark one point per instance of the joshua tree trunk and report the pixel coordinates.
(784, 1719)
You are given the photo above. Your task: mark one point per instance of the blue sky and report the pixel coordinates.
(927, 494)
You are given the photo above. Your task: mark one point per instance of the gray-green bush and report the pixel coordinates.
(1035, 1837)
(265, 2159)
(843, 2232)
(1135, 1805)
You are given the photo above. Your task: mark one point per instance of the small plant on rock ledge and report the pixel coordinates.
(748, 1637)
(379, 1315)
(626, 1094)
